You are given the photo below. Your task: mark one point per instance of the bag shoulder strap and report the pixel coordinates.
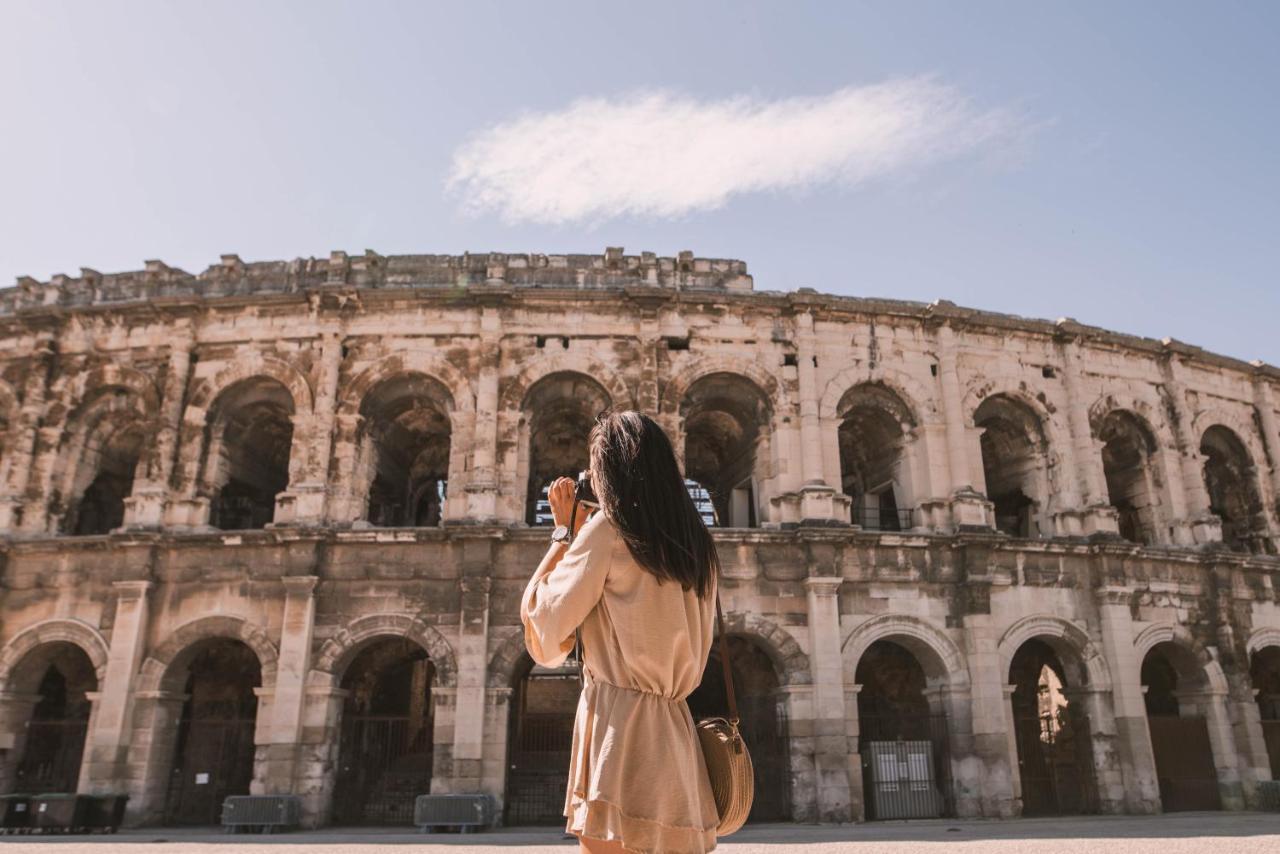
(724, 662)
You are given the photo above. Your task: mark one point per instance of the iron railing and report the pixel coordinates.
(875, 519)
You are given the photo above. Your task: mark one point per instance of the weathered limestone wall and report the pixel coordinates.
(502, 353)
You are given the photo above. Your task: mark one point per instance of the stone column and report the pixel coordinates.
(990, 710)
(1263, 401)
(482, 485)
(830, 742)
(1094, 513)
(1093, 706)
(470, 703)
(144, 509)
(820, 503)
(969, 509)
(1204, 526)
(493, 774)
(1212, 706)
(1133, 737)
(284, 737)
(303, 501)
(798, 700)
(19, 460)
(853, 741)
(151, 749)
(107, 746)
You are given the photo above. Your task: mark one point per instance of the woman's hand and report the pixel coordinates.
(560, 496)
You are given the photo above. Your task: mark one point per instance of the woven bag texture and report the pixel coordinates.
(729, 767)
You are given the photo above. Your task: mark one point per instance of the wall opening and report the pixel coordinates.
(1264, 675)
(386, 747)
(405, 455)
(50, 747)
(1014, 453)
(539, 741)
(726, 422)
(214, 747)
(873, 435)
(1179, 728)
(112, 457)
(560, 411)
(1055, 752)
(1132, 482)
(1232, 482)
(249, 438)
(763, 713)
(902, 737)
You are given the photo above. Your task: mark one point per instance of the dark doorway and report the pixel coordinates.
(213, 757)
(1055, 760)
(387, 749)
(53, 741)
(100, 510)
(1179, 737)
(540, 741)
(902, 738)
(1264, 673)
(763, 721)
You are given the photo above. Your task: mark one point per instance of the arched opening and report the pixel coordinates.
(1231, 480)
(902, 736)
(1132, 479)
(1055, 752)
(559, 411)
(1174, 684)
(405, 452)
(875, 429)
(386, 750)
(763, 724)
(1014, 453)
(214, 747)
(540, 741)
(248, 441)
(1264, 675)
(100, 509)
(48, 750)
(726, 422)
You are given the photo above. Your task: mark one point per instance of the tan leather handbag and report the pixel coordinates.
(728, 761)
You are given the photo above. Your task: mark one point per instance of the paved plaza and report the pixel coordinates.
(1220, 833)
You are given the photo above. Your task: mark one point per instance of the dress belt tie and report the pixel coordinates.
(592, 680)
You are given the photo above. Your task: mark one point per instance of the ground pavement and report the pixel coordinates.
(1183, 833)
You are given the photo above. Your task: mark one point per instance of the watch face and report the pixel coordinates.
(560, 534)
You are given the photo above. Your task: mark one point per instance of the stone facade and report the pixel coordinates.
(305, 458)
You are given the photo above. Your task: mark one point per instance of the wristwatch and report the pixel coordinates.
(561, 535)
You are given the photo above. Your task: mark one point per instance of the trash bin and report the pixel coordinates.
(15, 813)
(59, 813)
(105, 812)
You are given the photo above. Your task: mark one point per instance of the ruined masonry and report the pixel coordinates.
(265, 530)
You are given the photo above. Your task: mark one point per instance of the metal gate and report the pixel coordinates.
(1271, 736)
(1055, 765)
(763, 725)
(1184, 763)
(538, 769)
(906, 766)
(51, 756)
(384, 764)
(214, 759)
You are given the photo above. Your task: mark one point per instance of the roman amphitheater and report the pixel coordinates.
(265, 530)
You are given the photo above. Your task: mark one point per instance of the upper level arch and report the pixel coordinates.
(675, 389)
(338, 651)
(461, 396)
(918, 400)
(247, 366)
(515, 391)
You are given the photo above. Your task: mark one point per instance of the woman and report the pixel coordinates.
(640, 578)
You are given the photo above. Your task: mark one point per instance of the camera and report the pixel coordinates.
(583, 492)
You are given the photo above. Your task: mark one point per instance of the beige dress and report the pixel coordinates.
(636, 773)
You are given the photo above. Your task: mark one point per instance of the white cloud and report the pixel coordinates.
(660, 154)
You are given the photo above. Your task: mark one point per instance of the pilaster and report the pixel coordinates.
(1204, 526)
(288, 703)
(1093, 514)
(107, 746)
(969, 509)
(830, 749)
(482, 485)
(468, 730)
(144, 509)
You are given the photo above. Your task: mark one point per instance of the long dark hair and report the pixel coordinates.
(641, 490)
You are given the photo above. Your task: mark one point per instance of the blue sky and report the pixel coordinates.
(1112, 162)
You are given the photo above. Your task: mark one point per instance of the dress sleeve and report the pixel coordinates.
(557, 601)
